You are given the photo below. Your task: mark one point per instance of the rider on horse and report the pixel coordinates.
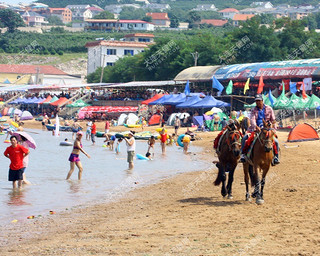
(258, 114)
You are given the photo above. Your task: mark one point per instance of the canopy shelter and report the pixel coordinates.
(59, 101)
(197, 74)
(281, 102)
(210, 102)
(175, 99)
(189, 101)
(78, 104)
(109, 109)
(47, 100)
(161, 100)
(155, 97)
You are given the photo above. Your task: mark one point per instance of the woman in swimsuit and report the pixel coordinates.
(74, 157)
(163, 139)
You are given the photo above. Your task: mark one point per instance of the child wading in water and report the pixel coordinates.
(151, 143)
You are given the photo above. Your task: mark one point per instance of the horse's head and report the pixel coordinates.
(266, 136)
(234, 142)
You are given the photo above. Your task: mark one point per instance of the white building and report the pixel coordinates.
(106, 53)
(82, 14)
(228, 13)
(117, 25)
(266, 5)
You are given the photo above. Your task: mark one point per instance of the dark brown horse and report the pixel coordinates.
(229, 154)
(261, 159)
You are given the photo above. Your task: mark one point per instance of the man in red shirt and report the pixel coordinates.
(93, 132)
(16, 153)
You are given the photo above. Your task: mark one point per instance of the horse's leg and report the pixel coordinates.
(222, 172)
(246, 180)
(256, 182)
(230, 179)
(263, 181)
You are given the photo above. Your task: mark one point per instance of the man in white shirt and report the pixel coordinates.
(131, 147)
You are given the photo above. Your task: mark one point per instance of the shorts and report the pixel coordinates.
(216, 122)
(88, 132)
(74, 158)
(16, 174)
(176, 127)
(130, 156)
(93, 137)
(74, 130)
(106, 130)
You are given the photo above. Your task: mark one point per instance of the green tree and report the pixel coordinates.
(174, 21)
(11, 20)
(55, 20)
(104, 15)
(147, 18)
(131, 13)
(194, 19)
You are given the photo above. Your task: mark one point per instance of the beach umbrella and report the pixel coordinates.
(29, 140)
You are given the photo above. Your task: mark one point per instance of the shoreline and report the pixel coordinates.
(186, 215)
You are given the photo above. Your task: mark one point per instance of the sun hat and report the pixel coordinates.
(80, 133)
(130, 133)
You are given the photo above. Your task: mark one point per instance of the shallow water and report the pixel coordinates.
(104, 177)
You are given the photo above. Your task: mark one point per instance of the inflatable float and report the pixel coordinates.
(3, 120)
(7, 141)
(160, 129)
(179, 140)
(141, 157)
(99, 134)
(14, 124)
(134, 125)
(66, 143)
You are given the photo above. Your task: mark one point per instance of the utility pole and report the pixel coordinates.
(195, 56)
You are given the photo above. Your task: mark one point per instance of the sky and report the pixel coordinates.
(16, 1)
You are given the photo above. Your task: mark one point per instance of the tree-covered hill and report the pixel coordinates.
(181, 4)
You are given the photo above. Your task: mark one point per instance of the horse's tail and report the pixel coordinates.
(219, 177)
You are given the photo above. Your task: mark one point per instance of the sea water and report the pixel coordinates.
(105, 176)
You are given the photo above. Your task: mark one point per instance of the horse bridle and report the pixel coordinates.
(237, 142)
(269, 137)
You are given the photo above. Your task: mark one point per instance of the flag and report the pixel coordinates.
(307, 84)
(270, 97)
(246, 86)
(229, 87)
(217, 85)
(261, 84)
(304, 95)
(293, 87)
(187, 89)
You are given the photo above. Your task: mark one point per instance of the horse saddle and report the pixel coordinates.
(250, 149)
(220, 141)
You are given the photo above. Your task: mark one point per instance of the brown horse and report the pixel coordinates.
(261, 159)
(228, 158)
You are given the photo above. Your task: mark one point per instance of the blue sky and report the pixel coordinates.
(16, 1)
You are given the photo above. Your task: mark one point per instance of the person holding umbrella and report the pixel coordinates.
(26, 141)
(74, 157)
(16, 153)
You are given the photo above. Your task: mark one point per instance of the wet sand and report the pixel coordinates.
(186, 215)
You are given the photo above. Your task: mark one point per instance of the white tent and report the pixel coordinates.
(132, 119)
(171, 118)
(122, 119)
(17, 112)
(26, 115)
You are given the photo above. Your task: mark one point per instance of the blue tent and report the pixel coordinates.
(210, 102)
(198, 120)
(16, 101)
(7, 82)
(161, 100)
(39, 100)
(190, 101)
(176, 99)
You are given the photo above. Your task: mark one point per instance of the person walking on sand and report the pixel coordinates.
(177, 124)
(74, 156)
(131, 148)
(163, 139)
(16, 153)
(93, 132)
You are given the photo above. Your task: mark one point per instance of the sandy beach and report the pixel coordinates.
(186, 215)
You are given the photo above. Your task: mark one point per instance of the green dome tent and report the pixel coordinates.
(313, 102)
(293, 102)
